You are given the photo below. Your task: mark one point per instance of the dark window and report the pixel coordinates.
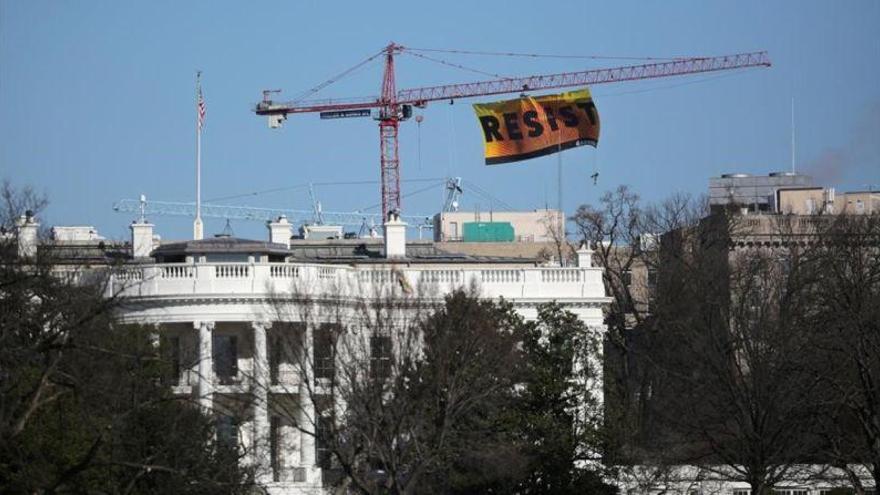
(627, 278)
(274, 446)
(323, 454)
(171, 356)
(226, 358)
(227, 432)
(380, 357)
(324, 347)
(275, 353)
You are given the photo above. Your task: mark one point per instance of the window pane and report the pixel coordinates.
(324, 345)
(227, 432)
(225, 358)
(380, 357)
(171, 355)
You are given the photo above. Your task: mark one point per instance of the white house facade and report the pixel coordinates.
(214, 303)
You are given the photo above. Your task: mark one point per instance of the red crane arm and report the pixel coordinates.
(584, 78)
(420, 96)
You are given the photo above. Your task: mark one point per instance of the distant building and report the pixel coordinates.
(816, 200)
(754, 193)
(497, 226)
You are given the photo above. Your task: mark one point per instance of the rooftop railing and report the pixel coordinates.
(262, 279)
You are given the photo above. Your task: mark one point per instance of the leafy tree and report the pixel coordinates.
(83, 407)
(558, 410)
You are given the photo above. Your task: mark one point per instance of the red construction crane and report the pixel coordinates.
(396, 106)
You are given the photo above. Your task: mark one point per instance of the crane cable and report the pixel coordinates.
(487, 195)
(456, 66)
(544, 55)
(417, 191)
(303, 186)
(337, 77)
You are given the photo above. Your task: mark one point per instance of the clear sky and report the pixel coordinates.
(97, 99)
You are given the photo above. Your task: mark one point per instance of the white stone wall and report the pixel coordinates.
(194, 301)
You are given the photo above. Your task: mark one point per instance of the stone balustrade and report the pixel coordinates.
(262, 279)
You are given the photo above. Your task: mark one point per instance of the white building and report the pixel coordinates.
(212, 302)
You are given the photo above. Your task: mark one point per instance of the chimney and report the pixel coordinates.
(141, 239)
(279, 231)
(584, 256)
(395, 236)
(27, 235)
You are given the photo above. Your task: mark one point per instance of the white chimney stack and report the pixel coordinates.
(395, 236)
(27, 235)
(279, 231)
(141, 239)
(584, 256)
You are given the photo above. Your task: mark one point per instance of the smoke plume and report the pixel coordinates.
(858, 159)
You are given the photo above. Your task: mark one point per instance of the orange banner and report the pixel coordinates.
(527, 127)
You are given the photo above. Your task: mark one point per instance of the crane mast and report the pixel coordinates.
(396, 106)
(389, 120)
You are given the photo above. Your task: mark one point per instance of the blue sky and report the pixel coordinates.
(97, 103)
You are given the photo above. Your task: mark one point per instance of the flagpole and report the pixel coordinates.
(198, 228)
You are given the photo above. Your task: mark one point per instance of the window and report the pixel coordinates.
(170, 347)
(652, 280)
(323, 454)
(742, 491)
(274, 447)
(627, 277)
(275, 353)
(227, 432)
(225, 358)
(324, 348)
(380, 357)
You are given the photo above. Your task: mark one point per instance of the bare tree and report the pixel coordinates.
(15, 202)
(626, 238)
(709, 351)
(847, 326)
(404, 385)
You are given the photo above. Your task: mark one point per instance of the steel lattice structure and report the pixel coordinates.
(392, 103)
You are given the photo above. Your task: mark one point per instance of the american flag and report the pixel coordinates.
(202, 109)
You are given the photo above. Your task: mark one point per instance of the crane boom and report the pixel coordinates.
(419, 96)
(396, 106)
(175, 208)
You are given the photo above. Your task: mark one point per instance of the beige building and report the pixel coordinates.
(815, 200)
(528, 226)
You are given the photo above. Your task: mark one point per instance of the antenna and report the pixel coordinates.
(792, 136)
(143, 208)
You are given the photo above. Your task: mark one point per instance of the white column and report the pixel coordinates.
(307, 419)
(206, 364)
(262, 456)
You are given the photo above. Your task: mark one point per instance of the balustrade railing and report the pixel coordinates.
(232, 271)
(284, 271)
(500, 276)
(177, 271)
(560, 275)
(440, 276)
(261, 277)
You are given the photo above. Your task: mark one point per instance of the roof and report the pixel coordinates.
(224, 245)
(359, 251)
